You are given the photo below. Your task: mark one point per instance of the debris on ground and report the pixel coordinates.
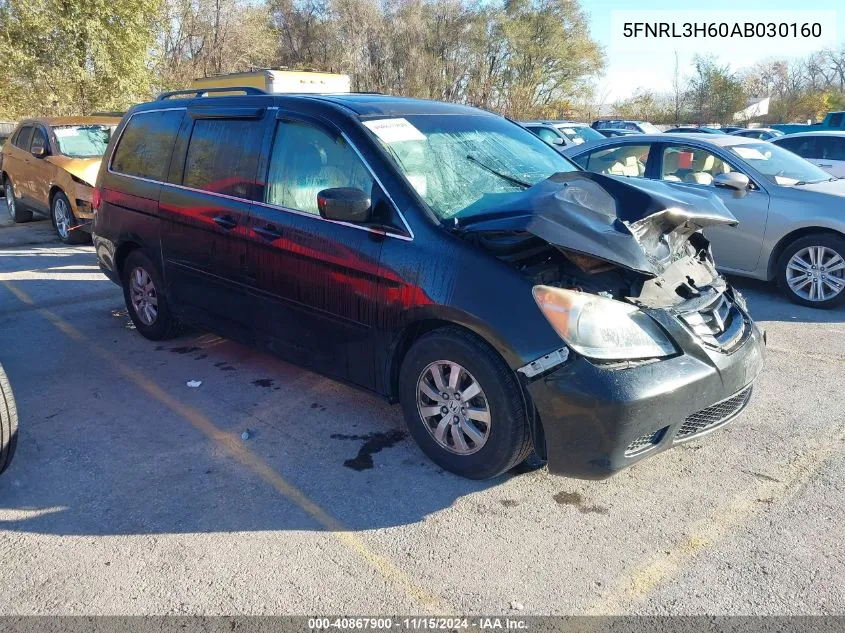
(194, 383)
(246, 435)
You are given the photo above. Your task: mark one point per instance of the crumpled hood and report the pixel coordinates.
(636, 223)
(85, 169)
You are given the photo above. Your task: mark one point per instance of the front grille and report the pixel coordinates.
(644, 443)
(713, 416)
(718, 324)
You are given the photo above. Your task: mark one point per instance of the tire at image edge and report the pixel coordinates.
(8, 422)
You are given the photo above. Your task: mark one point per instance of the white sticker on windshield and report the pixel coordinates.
(748, 153)
(62, 132)
(568, 130)
(577, 140)
(395, 130)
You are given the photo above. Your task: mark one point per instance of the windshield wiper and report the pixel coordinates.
(511, 179)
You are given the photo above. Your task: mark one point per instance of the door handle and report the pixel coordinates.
(226, 222)
(824, 165)
(268, 232)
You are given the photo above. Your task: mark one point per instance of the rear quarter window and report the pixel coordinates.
(145, 147)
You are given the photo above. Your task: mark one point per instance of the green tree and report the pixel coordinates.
(61, 57)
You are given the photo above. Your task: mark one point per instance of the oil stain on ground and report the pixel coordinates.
(224, 366)
(576, 500)
(373, 443)
(263, 382)
(184, 349)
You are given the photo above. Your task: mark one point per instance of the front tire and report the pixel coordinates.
(67, 226)
(811, 271)
(146, 300)
(17, 214)
(8, 422)
(462, 405)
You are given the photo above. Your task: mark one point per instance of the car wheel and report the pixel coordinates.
(67, 226)
(8, 422)
(146, 300)
(811, 271)
(462, 405)
(15, 211)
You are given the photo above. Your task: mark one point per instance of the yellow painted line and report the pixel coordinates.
(236, 449)
(635, 586)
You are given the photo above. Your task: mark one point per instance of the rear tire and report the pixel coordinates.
(146, 299)
(813, 267)
(8, 422)
(65, 223)
(17, 214)
(460, 441)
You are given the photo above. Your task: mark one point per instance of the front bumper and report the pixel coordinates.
(598, 420)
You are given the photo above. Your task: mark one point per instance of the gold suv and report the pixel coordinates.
(50, 167)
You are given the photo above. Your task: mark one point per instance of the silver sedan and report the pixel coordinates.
(791, 213)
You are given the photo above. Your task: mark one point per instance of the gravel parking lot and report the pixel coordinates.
(132, 493)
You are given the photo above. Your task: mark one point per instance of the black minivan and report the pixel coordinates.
(439, 255)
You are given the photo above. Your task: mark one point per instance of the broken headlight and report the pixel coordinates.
(601, 328)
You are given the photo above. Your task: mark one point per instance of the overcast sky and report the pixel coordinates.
(628, 69)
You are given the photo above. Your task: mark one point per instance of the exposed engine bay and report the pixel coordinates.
(620, 238)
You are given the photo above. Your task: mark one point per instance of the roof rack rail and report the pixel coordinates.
(199, 92)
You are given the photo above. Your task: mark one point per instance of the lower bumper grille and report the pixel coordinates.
(644, 443)
(713, 416)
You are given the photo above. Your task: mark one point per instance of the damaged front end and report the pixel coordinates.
(623, 253)
(657, 348)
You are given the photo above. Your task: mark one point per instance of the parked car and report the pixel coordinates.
(610, 132)
(825, 149)
(562, 133)
(730, 129)
(791, 227)
(644, 127)
(762, 133)
(438, 255)
(833, 121)
(694, 130)
(50, 166)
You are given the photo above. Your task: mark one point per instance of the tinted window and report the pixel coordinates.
(223, 157)
(836, 148)
(23, 137)
(146, 144)
(38, 138)
(624, 160)
(792, 144)
(306, 160)
(836, 120)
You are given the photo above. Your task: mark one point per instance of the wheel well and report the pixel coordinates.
(787, 239)
(121, 254)
(53, 191)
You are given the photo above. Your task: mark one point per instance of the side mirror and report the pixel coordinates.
(39, 151)
(558, 141)
(732, 180)
(345, 204)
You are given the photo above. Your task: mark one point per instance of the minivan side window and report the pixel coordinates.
(23, 137)
(306, 160)
(223, 157)
(146, 144)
